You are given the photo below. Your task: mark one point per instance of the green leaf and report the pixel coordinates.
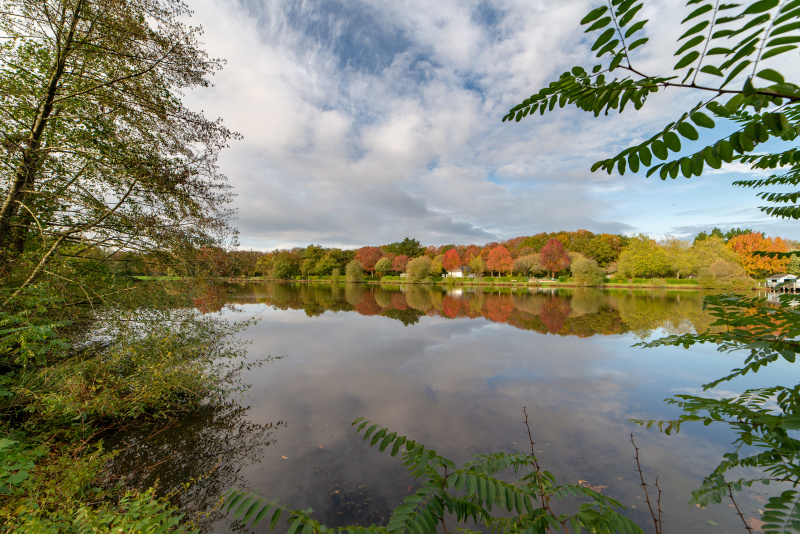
(697, 12)
(638, 43)
(771, 75)
(633, 162)
(760, 7)
(659, 149)
(672, 141)
(686, 167)
(776, 51)
(621, 165)
(635, 28)
(702, 120)
(694, 29)
(691, 43)
(687, 59)
(645, 156)
(603, 39)
(688, 131)
(711, 69)
(594, 14)
(275, 518)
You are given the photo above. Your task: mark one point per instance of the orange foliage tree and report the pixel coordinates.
(745, 245)
(499, 260)
(451, 260)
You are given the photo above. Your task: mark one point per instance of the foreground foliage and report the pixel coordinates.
(727, 55)
(459, 498)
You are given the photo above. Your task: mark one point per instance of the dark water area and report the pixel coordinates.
(453, 369)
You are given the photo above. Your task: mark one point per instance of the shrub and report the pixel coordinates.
(335, 274)
(586, 272)
(354, 272)
(418, 269)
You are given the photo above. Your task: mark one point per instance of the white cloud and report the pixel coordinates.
(367, 121)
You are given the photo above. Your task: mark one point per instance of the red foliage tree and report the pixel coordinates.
(369, 256)
(451, 260)
(400, 262)
(553, 256)
(499, 260)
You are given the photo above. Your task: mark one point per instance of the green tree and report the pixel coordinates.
(643, 258)
(418, 268)
(354, 272)
(726, 55)
(383, 266)
(587, 272)
(407, 247)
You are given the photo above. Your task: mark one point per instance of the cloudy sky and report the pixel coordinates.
(366, 121)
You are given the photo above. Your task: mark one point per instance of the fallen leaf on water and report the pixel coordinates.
(409, 488)
(758, 498)
(599, 488)
(336, 491)
(285, 457)
(755, 524)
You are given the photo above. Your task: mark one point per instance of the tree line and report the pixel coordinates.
(714, 257)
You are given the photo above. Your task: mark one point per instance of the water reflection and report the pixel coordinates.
(453, 369)
(195, 460)
(564, 312)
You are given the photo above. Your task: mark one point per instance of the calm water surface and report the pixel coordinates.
(453, 369)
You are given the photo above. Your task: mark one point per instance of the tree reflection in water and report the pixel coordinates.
(565, 312)
(195, 460)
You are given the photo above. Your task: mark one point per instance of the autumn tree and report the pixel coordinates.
(368, 257)
(451, 260)
(746, 245)
(499, 260)
(399, 264)
(553, 257)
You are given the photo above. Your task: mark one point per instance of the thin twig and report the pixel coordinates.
(738, 512)
(542, 496)
(656, 519)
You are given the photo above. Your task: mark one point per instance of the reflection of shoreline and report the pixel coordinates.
(580, 312)
(194, 460)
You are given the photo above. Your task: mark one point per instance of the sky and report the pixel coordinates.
(367, 121)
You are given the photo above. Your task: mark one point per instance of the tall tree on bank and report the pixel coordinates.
(98, 150)
(553, 257)
(499, 260)
(726, 56)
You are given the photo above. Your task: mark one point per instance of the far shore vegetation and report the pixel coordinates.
(715, 259)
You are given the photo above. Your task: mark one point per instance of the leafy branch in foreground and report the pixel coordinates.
(454, 498)
(720, 56)
(721, 44)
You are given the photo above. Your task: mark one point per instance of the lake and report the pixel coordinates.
(451, 368)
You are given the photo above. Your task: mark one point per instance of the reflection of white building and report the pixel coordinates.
(789, 279)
